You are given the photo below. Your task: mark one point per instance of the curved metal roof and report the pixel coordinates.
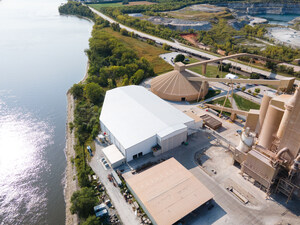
(174, 86)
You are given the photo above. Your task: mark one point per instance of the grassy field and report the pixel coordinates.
(220, 101)
(245, 104)
(190, 14)
(119, 4)
(99, 6)
(211, 71)
(211, 93)
(149, 52)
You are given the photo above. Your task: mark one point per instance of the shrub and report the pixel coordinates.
(166, 47)
(124, 32)
(254, 76)
(83, 202)
(92, 220)
(179, 58)
(94, 93)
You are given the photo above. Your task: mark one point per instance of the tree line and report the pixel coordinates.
(111, 64)
(76, 8)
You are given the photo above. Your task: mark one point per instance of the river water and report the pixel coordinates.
(41, 56)
(276, 19)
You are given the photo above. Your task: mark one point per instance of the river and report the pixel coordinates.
(41, 56)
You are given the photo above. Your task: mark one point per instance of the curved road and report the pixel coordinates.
(190, 50)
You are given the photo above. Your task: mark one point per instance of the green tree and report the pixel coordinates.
(138, 77)
(111, 84)
(125, 81)
(257, 90)
(243, 88)
(77, 90)
(254, 76)
(166, 47)
(124, 32)
(92, 220)
(115, 27)
(290, 70)
(83, 202)
(271, 65)
(179, 58)
(94, 93)
(125, 2)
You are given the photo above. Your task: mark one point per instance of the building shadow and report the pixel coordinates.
(293, 205)
(205, 214)
(221, 129)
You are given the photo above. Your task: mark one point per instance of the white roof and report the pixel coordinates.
(133, 114)
(171, 130)
(231, 76)
(113, 154)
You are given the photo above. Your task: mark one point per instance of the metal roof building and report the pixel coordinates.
(136, 120)
(175, 86)
(114, 157)
(168, 191)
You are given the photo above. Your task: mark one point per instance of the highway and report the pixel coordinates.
(182, 48)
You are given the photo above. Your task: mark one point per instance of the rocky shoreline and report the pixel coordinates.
(71, 182)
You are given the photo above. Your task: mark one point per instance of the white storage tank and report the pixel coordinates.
(246, 141)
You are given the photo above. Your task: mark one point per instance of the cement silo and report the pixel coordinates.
(291, 135)
(270, 126)
(263, 111)
(289, 106)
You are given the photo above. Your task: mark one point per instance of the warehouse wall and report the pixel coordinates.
(144, 146)
(173, 141)
(112, 138)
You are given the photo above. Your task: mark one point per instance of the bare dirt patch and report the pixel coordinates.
(192, 38)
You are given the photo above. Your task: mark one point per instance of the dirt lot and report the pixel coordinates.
(190, 37)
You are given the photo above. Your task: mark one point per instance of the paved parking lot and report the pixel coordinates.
(125, 212)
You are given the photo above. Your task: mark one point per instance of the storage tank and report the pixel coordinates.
(270, 126)
(263, 110)
(246, 141)
(287, 113)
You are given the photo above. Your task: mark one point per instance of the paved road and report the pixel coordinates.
(180, 47)
(124, 210)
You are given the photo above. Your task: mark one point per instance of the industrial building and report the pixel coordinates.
(269, 150)
(174, 85)
(137, 121)
(114, 157)
(168, 192)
